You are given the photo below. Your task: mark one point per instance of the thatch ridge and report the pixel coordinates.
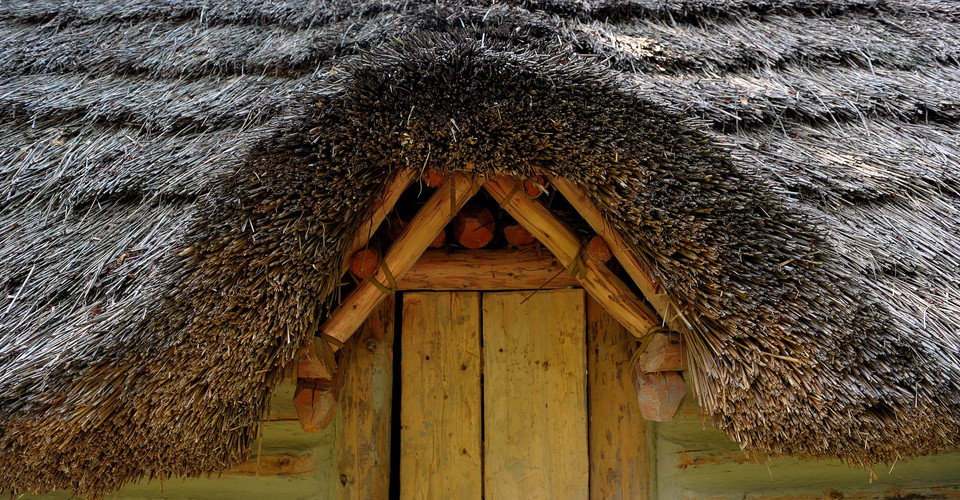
(174, 215)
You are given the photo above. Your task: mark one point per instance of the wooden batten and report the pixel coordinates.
(620, 249)
(596, 278)
(487, 270)
(442, 206)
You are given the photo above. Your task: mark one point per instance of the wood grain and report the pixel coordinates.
(620, 452)
(439, 209)
(521, 269)
(562, 242)
(440, 413)
(623, 252)
(364, 421)
(535, 402)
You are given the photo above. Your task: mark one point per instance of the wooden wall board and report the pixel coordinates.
(620, 447)
(365, 409)
(535, 401)
(440, 413)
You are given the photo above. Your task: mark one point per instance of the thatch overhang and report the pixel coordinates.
(180, 182)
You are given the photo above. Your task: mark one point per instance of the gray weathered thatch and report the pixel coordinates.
(178, 181)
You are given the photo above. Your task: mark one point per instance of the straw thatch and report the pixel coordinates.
(179, 180)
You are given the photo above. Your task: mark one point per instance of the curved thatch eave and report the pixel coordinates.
(166, 255)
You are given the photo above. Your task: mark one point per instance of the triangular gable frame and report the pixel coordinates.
(316, 401)
(448, 199)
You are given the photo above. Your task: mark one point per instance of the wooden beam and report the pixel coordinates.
(378, 212)
(290, 464)
(664, 353)
(445, 202)
(596, 278)
(579, 199)
(520, 269)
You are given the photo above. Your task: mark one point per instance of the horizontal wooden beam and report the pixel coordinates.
(609, 290)
(445, 202)
(286, 465)
(579, 199)
(521, 269)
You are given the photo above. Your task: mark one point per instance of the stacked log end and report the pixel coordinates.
(474, 227)
(517, 236)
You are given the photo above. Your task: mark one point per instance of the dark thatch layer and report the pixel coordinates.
(178, 180)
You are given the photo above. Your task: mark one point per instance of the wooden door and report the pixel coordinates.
(521, 357)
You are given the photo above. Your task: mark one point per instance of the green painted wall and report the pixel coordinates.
(692, 462)
(697, 462)
(313, 454)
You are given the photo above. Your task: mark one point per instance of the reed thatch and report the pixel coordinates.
(179, 180)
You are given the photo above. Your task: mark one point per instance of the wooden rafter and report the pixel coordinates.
(442, 206)
(376, 215)
(578, 198)
(378, 212)
(596, 278)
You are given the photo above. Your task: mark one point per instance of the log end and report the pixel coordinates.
(434, 178)
(473, 227)
(440, 240)
(598, 250)
(363, 263)
(535, 188)
(517, 236)
(659, 394)
(316, 403)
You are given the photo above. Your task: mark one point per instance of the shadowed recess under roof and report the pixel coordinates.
(174, 211)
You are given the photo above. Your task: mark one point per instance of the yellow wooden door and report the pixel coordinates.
(528, 351)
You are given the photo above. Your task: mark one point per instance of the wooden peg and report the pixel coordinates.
(363, 264)
(598, 250)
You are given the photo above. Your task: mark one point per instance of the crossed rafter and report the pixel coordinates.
(659, 394)
(449, 198)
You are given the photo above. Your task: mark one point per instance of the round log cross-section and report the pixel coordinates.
(434, 178)
(473, 227)
(440, 239)
(517, 235)
(363, 264)
(598, 250)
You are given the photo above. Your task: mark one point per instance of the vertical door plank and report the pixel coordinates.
(440, 413)
(535, 401)
(620, 465)
(365, 410)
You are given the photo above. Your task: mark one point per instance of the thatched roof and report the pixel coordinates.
(179, 181)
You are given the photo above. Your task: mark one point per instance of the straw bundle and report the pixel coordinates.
(179, 182)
